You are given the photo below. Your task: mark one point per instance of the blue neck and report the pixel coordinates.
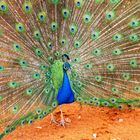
(65, 94)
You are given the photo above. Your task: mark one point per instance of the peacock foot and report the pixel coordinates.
(63, 122)
(53, 121)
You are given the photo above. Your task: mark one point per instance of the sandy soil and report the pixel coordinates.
(88, 123)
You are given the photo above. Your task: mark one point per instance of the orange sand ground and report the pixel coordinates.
(106, 123)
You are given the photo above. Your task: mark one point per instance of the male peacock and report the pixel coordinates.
(59, 51)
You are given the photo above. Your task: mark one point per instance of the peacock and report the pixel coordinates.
(55, 52)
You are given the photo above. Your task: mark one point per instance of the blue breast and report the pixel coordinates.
(65, 94)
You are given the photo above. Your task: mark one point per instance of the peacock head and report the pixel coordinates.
(66, 66)
(65, 57)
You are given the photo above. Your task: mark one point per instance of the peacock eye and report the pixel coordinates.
(109, 15)
(129, 105)
(41, 16)
(6, 131)
(27, 7)
(97, 103)
(40, 117)
(72, 29)
(30, 121)
(12, 128)
(78, 3)
(120, 107)
(91, 102)
(3, 7)
(22, 122)
(65, 13)
(45, 113)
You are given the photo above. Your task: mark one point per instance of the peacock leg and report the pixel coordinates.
(62, 121)
(53, 119)
(80, 109)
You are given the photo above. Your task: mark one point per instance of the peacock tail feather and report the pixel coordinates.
(101, 37)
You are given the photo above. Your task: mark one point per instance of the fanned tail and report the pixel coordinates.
(107, 57)
(101, 37)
